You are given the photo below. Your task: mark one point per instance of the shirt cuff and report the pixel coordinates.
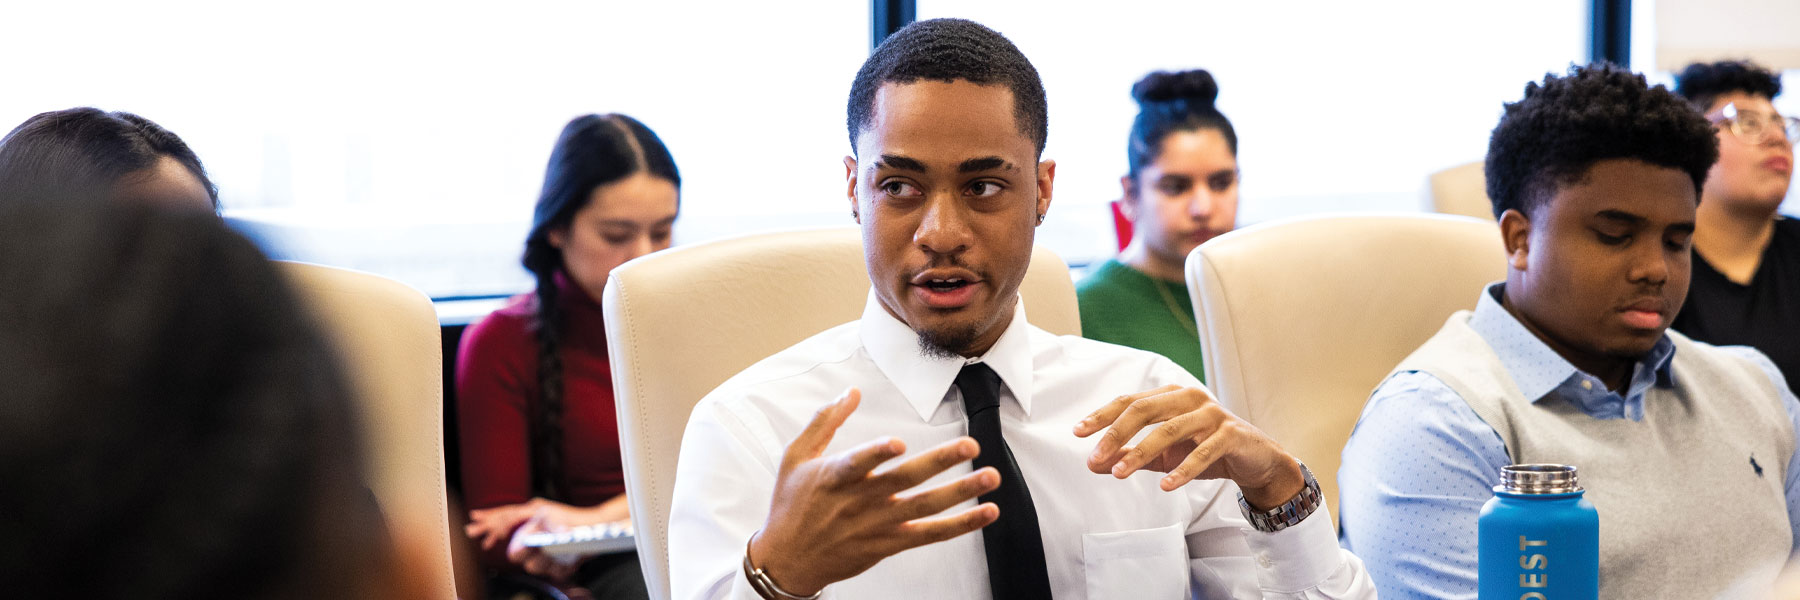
(1298, 558)
(740, 586)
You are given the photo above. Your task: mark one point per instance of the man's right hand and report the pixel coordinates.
(833, 517)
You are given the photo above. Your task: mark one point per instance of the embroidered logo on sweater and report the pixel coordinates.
(1753, 465)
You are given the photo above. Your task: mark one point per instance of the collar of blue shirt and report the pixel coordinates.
(924, 379)
(1541, 373)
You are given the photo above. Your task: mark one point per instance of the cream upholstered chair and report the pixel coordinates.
(680, 322)
(387, 337)
(1301, 319)
(1461, 190)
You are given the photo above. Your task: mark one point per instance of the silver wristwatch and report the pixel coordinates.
(1288, 514)
(766, 587)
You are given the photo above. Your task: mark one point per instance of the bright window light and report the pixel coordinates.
(409, 138)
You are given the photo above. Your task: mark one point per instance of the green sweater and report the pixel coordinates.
(1120, 305)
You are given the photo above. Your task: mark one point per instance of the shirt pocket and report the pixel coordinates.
(1142, 563)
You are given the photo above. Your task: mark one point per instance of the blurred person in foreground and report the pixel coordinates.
(172, 425)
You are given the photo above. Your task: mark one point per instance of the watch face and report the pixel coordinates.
(1289, 513)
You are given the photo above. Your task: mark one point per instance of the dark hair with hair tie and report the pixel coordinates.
(948, 50)
(593, 150)
(1597, 112)
(1702, 83)
(1172, 102)
(91, 149)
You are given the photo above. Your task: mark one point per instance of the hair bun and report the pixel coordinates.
(1194, 85)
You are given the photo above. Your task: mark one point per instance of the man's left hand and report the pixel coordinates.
(1194, 438)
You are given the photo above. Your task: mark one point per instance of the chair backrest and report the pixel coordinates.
(387, 337)
(1301, 319)
(681, 322)
(1461, 190)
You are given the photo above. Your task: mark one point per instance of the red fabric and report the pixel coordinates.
(1121, 225)
(497, 392)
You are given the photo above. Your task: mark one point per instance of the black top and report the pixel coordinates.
(1764, 315)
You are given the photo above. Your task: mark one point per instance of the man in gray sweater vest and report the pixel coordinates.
(1685, 449)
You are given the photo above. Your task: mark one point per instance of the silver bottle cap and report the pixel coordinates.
(1538, 479)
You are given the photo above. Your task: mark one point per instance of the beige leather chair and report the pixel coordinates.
(680, 322)
(388, 339)
(1301, 319)
(1461, 190)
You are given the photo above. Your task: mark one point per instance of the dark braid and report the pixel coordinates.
(546, 425)
(592, 151)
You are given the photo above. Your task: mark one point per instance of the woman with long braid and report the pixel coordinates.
(534, 390)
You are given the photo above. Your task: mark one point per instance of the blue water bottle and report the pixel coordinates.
(1540, 539)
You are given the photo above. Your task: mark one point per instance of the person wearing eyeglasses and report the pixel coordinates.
(1686, 449)
(1746, 284)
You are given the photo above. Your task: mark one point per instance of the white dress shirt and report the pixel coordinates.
(1103, 537)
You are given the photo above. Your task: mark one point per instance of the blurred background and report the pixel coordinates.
(409, 139)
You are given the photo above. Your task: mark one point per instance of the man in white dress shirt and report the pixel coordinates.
(783, 492)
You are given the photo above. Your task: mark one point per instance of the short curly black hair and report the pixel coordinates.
(948, 50)
(1597, 112)
(1702, 83)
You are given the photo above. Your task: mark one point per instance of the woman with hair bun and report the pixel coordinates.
(1181, 189)
(540, 438)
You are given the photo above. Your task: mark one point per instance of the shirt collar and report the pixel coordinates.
(1539, 370)
(925, 380)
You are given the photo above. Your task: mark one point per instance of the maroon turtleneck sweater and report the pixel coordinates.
(497, 392)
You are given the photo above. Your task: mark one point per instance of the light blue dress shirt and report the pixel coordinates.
(1421, 464)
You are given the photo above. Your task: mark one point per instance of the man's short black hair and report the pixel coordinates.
(1702, 83)
(947, 50)
(1598, 112)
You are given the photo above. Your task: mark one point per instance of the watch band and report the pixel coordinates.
(1288, 514)
(766, 587)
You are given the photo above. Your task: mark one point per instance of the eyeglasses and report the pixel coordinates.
(1755, 127)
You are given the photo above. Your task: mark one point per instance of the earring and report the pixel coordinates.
(1040, 218)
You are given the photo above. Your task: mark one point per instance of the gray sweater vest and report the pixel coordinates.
(1683, 511)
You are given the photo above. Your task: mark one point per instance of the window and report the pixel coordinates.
(409, 138)
(1644, 59)
(1339, 106)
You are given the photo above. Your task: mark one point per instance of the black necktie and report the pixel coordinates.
(1015, 550)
